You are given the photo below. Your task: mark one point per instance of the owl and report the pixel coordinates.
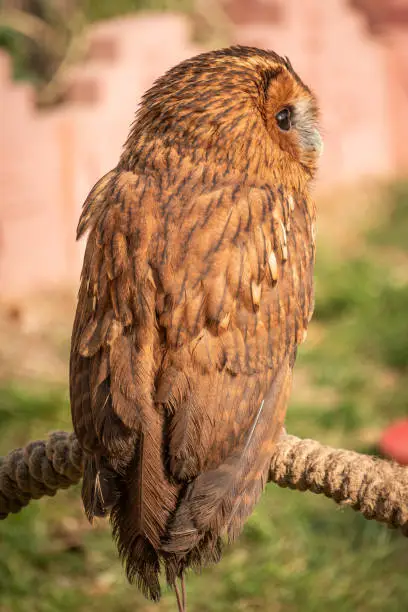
(196, 289)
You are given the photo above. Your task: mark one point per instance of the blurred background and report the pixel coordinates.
(71, 75)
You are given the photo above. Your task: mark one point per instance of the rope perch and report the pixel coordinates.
(376, 488)
(41, 468)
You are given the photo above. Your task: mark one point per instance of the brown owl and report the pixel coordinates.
(196, 288)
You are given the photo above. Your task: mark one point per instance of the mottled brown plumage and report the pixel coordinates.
(195, 292)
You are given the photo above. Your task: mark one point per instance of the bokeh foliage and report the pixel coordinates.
(45, 37)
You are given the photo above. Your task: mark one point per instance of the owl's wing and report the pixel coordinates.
(189, 313)
(114, 352)
(235, 274)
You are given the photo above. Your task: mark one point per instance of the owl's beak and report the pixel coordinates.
(317, 142)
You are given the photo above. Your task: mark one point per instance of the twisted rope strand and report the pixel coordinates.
(376, 488)
(41, 468)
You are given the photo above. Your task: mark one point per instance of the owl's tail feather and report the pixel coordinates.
(139, 501)
(142, 511)
(125, 475)
(137, 513)
(181, 597)
(218, 501)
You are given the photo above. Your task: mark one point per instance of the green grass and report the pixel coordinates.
(298, 551)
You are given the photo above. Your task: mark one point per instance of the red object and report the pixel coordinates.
(394, 442)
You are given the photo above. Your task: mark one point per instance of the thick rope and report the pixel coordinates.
(376, 488)
(41, 468)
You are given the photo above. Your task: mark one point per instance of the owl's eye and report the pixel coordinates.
(283, 119)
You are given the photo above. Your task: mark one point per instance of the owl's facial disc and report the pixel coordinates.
(288, 118)
(292, 120)
(304, 121)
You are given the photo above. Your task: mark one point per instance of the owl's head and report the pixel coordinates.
(241, 107)
(292, 116)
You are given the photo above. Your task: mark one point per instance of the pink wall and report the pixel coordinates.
(49, 160)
